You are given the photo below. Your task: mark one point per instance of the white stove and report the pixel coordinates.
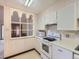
(46, 46)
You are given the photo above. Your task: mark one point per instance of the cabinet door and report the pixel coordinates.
(47, 18)
(44, 56)
(50, 18)
(66, 17)
(38, 44)
(41, 24)
(60, 53)
(76, 56)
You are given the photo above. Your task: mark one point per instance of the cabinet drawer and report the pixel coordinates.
(60, 50)
(61, 53)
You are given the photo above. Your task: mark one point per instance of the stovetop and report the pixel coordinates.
(49, 39)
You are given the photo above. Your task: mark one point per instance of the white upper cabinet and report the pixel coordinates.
(48, 17)
(68, 17)
(41, 23)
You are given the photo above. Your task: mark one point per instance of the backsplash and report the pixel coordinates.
(51, 27)
(70, 35)
(64, 34)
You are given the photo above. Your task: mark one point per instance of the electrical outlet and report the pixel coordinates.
(67, 36)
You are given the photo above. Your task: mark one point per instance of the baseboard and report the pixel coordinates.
(37, 51)
(21, 53)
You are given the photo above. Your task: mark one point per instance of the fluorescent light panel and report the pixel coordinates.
(28, 2)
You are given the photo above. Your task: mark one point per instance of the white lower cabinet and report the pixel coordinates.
(43, 56)
(61, 53)
(76, 56)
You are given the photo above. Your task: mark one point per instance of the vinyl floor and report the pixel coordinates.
(29, 55)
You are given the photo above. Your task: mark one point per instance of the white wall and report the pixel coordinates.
(17, 45)
(2, 2)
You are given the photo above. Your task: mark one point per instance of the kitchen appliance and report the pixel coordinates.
(46, 43)
(51, 36)
(46, 49)
(41, 33)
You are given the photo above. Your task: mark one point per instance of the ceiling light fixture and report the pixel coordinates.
(28, 2)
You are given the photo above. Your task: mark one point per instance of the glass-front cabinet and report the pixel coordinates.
(21, 26)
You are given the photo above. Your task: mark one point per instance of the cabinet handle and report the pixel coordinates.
(60, 50)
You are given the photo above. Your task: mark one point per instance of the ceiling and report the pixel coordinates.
(36, 6)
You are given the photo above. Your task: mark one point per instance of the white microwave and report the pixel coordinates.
(41, 33)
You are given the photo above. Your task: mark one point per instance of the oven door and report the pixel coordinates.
(46, 49)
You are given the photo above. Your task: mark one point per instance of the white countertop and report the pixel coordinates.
(68, 44)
